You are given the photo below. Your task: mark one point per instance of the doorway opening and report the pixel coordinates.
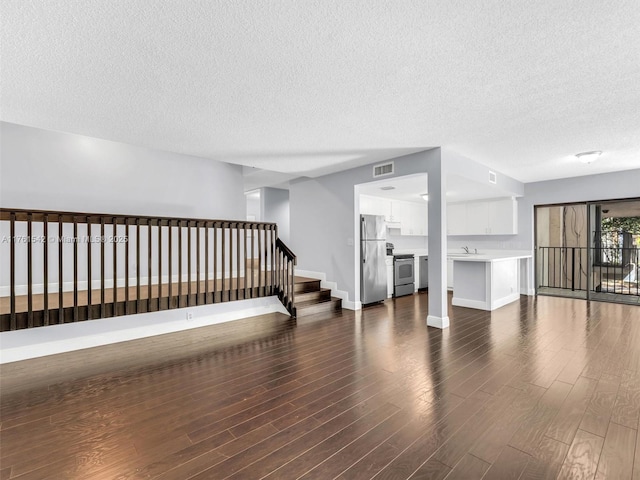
(589, 250)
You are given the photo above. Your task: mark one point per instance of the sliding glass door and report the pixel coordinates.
(589, 250)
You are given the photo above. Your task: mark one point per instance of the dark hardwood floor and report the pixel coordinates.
(542, 388)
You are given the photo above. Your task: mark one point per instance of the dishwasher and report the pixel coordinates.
(423, 270)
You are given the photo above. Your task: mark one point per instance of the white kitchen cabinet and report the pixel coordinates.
(370, 205)
(456, 218)
(503, 216)
(477, 218)
(449, 274)
(483, 217)
(413, 219)
(389, 263)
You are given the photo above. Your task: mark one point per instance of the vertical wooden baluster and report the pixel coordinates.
(251, 253)
(114, 232)
(60, 272)
(197, 263)
(286, 281)
(206, 263)
(246, 260)
(293, 286)
(267, 272)
(88, 239)
(222, 261)
(238, 250)
(259, 261)
(188, 263)
(230, 259)
(275, 262)
(75, 269)
(170, 260)
(266, 259)
(159, 264)
(12, 268)
(29, 270)
(103, 313)
(126, 266)
(215, 261)
(45, 235)
(179, 262)
(138, 265)
(149, 266)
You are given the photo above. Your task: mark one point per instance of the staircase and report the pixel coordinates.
(311, 299)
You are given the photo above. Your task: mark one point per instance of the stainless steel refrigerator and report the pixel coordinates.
(373, 252)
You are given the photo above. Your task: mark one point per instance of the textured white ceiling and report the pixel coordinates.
(411, 187)
(314, 86)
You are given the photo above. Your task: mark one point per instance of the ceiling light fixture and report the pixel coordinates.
(425, 197)
(588, 157)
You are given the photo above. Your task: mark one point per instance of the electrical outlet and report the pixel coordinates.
(189, 315)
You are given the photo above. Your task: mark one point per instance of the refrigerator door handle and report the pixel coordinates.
(364, 252)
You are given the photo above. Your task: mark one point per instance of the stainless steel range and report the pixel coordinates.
(403, 275)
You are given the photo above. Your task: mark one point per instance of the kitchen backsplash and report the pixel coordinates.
(403, 242)
(505, 242)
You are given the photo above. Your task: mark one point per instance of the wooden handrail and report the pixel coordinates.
(62, 268)
(285, 276)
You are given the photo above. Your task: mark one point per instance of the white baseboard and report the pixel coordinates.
(531, 292)
(483, 305)
(333, 286)
(505, 300)
(464, 302)
(42, 341)
(437, 322)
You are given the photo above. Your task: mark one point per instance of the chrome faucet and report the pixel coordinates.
(466, 249)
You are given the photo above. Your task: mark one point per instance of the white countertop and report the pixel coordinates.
(483, 256)
(488, 256)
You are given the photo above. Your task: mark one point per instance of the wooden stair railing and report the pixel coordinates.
(67, 267)
(285, 273)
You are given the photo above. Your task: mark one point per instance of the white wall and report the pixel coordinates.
(275, 209)
(324, 213)
(323, 219)
(404, 242)
(48, 170)
(254, 206)
(607, 186)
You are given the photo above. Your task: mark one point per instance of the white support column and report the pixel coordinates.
(437, 209)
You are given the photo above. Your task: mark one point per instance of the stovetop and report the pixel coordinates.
(402, 256)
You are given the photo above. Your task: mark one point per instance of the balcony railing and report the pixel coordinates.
(61, 267)
(567, 268)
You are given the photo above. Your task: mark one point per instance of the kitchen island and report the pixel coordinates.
(488, 281)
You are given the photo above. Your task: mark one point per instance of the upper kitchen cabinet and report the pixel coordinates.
(414, 219)
(503, 216)
(370, 205)
(456, 219)
(409, 217)
(483, 217)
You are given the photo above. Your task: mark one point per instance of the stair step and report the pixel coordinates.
(312, 307)
(304, 285)
(317, 295)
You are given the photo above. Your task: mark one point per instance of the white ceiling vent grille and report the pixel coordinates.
(492, 177)
(382, 169)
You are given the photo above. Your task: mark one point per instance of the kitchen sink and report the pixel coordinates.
(461, 255)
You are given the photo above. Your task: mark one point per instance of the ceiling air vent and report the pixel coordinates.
(383, 169)
(492, 177)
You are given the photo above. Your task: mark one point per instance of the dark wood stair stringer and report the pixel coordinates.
(311, 298)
